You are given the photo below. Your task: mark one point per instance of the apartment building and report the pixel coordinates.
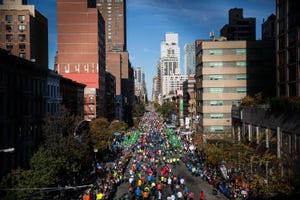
(24, 31)
(227, 71)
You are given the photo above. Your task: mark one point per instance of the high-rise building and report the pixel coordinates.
(155, 89)
(114, 14)
(140, 84)
(239, 28)
(287, 48)
(227, 71)
(169, 78)
(24, 31)
(170, 55)
(268, 28)
(81, 51)
(189, 59)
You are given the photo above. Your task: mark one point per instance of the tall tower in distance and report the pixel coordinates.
(239, 28)
(170, 55)
(24, 31)
(189, 59)
(81, 51)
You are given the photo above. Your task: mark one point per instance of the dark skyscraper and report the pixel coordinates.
(287, 48)
(239, 28)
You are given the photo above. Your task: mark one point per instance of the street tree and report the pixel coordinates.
(100, 133)
(167, 109)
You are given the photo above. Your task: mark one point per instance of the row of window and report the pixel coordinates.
(223, 64)
(219, 102)
(222, 52)
(225, 90)
(10, 46)
(20, 27)
(223, 77)
(21, 37)
(9, 18)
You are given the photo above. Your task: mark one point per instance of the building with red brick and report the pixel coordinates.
(24, 31)
(117, 57)
(81, 51)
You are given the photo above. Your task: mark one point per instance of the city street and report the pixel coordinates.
(152, 146)
(194, 183)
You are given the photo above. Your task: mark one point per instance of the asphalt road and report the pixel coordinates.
(196, 184)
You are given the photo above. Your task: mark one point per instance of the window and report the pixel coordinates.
(216, 90)
(241, 64)
(216, 115)
(9, 18)
(241, 90)
(216, 103)
(22, 27)
(9, 37)
(9, 27)
(240, 51)
(241, 77)
(22, 55)
(22, 46)
(21, 17)
(215, 64)
(9, 46)
(215, 51)
(217, 128)
(22, 37)
(216, 77)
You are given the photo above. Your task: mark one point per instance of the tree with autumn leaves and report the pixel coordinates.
(102, 132)
(61, 158)
(261, 171)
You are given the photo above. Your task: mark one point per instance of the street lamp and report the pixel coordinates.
(8, 150)
(95, 151)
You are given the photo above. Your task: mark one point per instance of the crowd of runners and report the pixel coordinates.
(151, 169)
(145, 160)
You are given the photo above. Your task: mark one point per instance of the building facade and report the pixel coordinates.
(118, 64)
(189, 102)
(54, 98)
(287, 48)
(189, 59)
(168, 67)
(268, 28)
(24, 31)
(239, 28)
(227, 71)
(170, 84)
(23, 96)
(140, 84)
(73, 96)
(114, 14)
(110, 96)
(81, 51)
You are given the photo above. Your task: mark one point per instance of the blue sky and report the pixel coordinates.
(149, 20)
